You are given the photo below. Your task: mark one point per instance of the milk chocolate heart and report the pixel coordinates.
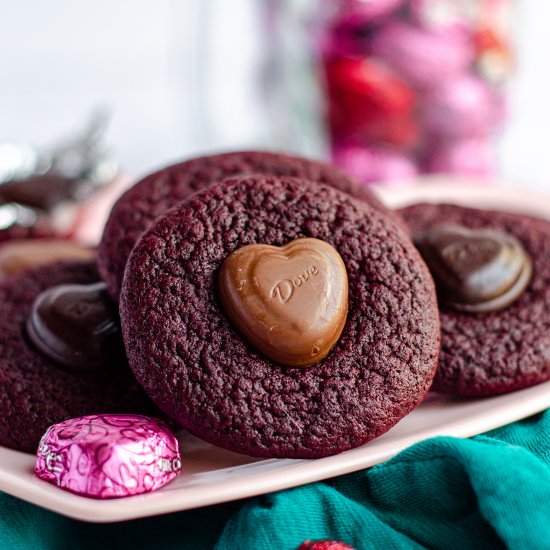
(76, 326)
(290, 302)
(475, 270)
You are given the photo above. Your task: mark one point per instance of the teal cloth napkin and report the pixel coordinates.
(491, 491)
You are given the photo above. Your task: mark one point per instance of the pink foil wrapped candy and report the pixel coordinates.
(462, 107)
(360, 12)
(471, 157)
(424, 57)
(109, 455)
(374, 164)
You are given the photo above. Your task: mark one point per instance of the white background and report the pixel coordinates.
(181, 77)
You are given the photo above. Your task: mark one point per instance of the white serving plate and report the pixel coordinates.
(212, 475)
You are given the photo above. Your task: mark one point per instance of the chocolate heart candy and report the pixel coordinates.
(475, 270)
(290, 302)
(76, 326)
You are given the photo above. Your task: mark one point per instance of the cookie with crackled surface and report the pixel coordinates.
(199, 369)
(500, 351)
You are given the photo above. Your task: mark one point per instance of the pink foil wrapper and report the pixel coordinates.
(109, 455)
(471, 157)
(425, 58)
(360, 12)
(462, 107)
(374, 164)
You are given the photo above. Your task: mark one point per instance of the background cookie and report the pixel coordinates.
(491, 353)
(201, 372)
(35, 392)
(136, 210)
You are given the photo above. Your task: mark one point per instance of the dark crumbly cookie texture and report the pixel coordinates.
(34, 392)
(493, 353)
(201, 372)
(136, 210)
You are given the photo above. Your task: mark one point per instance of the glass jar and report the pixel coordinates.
(414, 86)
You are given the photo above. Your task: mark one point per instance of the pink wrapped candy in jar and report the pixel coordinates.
(415, 84)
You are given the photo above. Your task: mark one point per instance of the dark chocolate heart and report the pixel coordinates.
(290, 302)
(475, 270)
(77, 326)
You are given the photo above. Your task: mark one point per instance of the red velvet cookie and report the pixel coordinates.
(36, 392)
(136, 210)
(199, 369)
(499, 351)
